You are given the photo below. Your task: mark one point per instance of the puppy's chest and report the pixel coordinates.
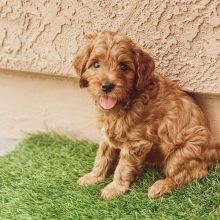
(116, 136)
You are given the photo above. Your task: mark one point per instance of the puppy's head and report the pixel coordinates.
(112, 67)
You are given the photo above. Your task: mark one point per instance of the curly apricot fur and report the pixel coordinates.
(154, 121)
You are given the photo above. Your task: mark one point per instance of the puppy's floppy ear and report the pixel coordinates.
(144, 67)
(81, 59)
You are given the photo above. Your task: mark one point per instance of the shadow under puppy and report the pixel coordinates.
(144, 118)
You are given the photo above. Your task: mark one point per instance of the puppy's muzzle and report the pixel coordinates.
(107, 86)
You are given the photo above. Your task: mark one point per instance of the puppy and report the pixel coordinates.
(144, 119)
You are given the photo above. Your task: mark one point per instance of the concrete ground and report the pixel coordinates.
(7, 145)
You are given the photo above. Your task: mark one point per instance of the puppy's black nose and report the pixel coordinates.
(107, 86)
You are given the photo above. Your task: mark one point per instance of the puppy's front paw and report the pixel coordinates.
(112, 190)
(89, 179)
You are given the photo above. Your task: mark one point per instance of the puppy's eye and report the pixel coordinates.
(123, 67)
(96, 64)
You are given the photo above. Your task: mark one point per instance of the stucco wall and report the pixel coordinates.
(182, 35)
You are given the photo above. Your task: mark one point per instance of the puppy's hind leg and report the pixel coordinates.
(180, 177)
(187, 162)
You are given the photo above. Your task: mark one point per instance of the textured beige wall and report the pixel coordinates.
(182, 35)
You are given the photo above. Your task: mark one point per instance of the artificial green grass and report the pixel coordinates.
(38, 181)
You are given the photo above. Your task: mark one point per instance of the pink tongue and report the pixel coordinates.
(107, 102)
